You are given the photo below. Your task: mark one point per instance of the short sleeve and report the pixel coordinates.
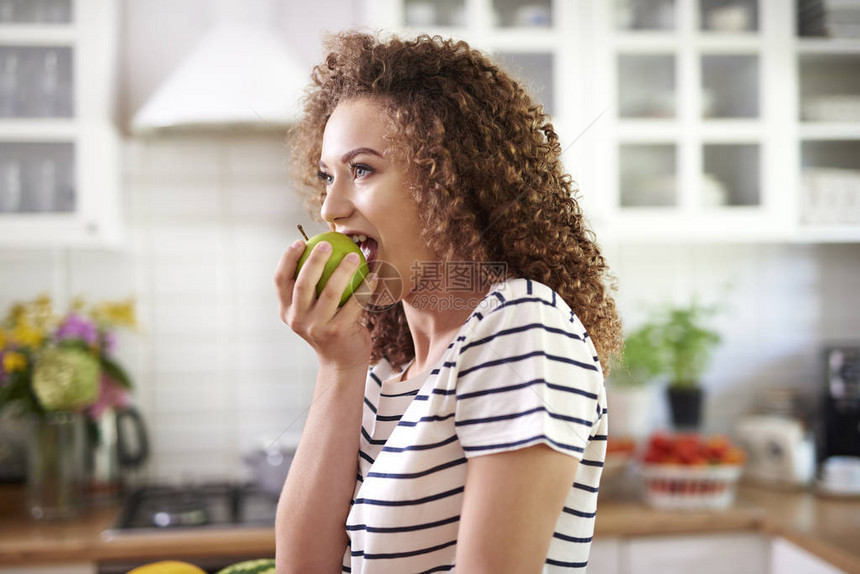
(527, 373)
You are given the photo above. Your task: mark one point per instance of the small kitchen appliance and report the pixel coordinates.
(839, 425)
(780, 450)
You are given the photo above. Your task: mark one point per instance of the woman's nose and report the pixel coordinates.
(335, 205)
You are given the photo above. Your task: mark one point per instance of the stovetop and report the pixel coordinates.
(193, 506)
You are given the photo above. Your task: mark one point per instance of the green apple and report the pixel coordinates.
(341, 245)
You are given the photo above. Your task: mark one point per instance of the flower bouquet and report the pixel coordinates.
(57, 373)
(51, 362)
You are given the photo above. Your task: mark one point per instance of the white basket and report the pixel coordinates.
(677, 487)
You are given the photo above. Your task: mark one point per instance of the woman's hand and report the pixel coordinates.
(336, 333)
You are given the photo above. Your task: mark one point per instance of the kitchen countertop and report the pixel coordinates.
(825, 527)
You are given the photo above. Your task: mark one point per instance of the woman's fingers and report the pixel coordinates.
(350, 312)
(305, 288)
(329, 299)
(285, 274)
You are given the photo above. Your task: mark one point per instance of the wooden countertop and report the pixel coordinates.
(827, 527)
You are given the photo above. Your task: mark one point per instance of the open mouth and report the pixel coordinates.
(368, 247)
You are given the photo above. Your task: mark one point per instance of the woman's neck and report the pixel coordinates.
(434, 320)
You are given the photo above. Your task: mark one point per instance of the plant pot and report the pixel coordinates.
(685, 405)
(630, 410)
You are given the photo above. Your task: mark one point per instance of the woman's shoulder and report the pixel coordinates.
(519, 293)
(520, 301)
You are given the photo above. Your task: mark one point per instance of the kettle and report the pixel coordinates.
(118, 442)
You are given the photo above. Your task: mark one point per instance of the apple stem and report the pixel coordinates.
(302, 231)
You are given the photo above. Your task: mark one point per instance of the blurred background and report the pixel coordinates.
(716, 145)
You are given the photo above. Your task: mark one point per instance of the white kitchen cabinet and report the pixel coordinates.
(699, 119)
(59, 161)
(738, 553)
(787, 557)
(689, 119)
(605, 556)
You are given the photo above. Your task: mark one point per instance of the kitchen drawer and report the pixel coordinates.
(736, 553)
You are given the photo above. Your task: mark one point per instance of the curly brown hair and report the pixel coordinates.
(485, 163)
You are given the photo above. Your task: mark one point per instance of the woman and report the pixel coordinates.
(465, 424)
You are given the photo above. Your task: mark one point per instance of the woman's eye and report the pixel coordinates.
(324, 177)
(360, 170)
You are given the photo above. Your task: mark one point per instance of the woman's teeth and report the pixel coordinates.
(359, 238)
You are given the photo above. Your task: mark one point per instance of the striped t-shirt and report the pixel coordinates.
(521, 371)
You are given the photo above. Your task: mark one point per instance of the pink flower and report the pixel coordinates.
(110, 395)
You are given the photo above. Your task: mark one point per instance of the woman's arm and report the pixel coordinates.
(510, 507)
(310, 534)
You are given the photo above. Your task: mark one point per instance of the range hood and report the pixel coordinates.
(240, 77)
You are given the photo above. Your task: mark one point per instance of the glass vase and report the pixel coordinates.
(55, 469)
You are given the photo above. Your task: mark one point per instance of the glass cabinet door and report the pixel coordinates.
(36, 83)
(647, 174)
(59, 179)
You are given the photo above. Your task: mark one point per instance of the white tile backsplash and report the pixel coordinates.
(218, 373)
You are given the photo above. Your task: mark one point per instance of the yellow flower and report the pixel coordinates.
(42, 310)
(16, 314)
(120, 313)
(3, 338)
(28, 335)
(78, 304)
(14, 361)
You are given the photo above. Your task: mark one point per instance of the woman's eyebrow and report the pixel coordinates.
(345, 158)
(348, 156)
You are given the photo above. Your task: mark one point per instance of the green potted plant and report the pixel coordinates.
(632, 374)
(687, 344)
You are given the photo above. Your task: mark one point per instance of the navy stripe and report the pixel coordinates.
(389, 529)
(521, 442)
(573, 390)
(516, 358)
(529, 286)
(567, 538)
(375, 378)
(413, 502)
(552, 562)
(433, 418)
(519, 386)
(394, 396)
(370, 405)
(443, 568)
(522, 300)
(390, 555)
(431, 470)
(579, 513)
(370, 440)
(388, 418)
(444, 391)
(345, 569)
(514, 330)
(365, 456)
(585, 487)
(598, 437)
(419, 446)
(596, 463)
(522, 414)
